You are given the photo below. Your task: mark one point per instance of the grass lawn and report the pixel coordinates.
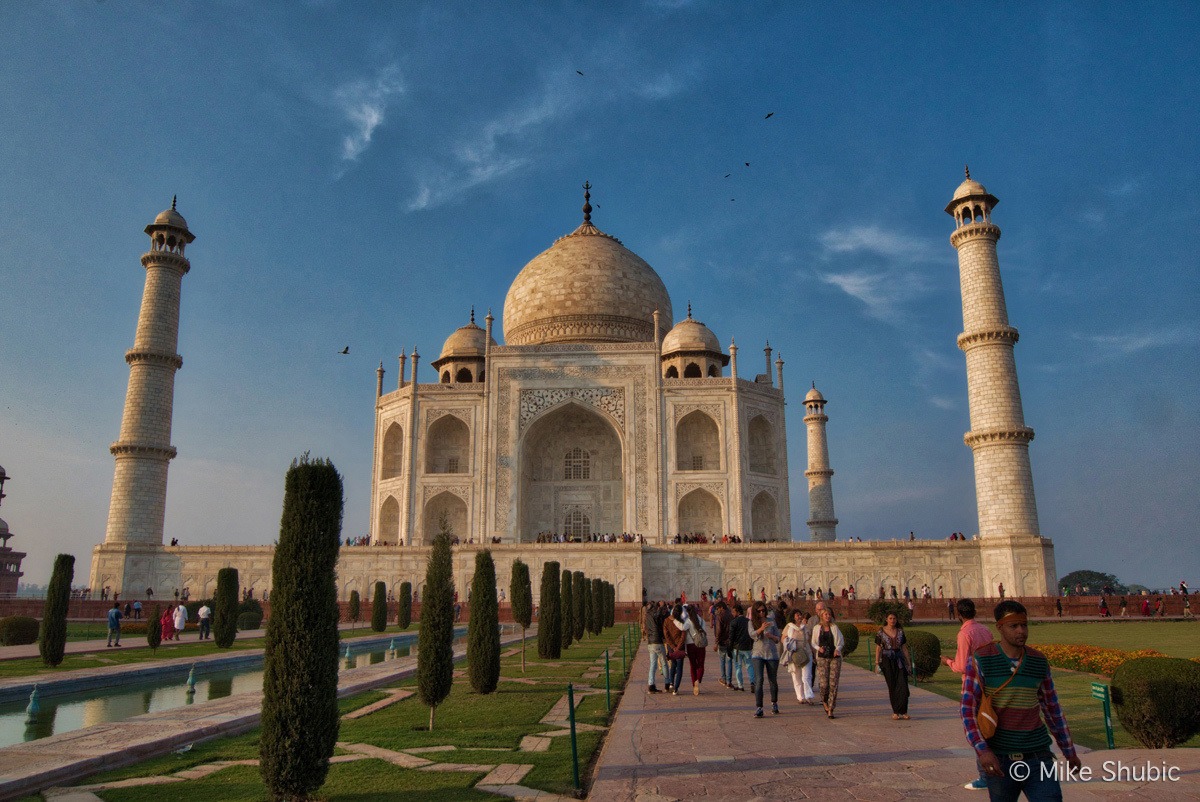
(1085, 715)
(484, 729)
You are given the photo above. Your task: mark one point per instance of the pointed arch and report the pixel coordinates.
(764, 517)
(388, 529)
(700, 514)
(672, 372)
(455, 511)
(448, 448)
(763, 446)
(697, 443)
(392, 459)
(692, 371)
(463, 376)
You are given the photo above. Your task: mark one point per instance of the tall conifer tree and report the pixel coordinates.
(225, 608)
(566, 605)
(435, 641)
(579, 605)
(379, 608)
(483, 630)
(520, 590)
(549, 612)
(597, 606)
(300, 677)
(52, 640)
(404, 614)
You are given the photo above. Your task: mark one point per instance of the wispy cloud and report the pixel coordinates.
(1126, 187)
(363, 104)
(885, 293)
(878, 241)
(1129, 343)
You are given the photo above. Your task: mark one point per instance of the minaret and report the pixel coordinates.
(821, 522)
(999, 437)
(143, 451)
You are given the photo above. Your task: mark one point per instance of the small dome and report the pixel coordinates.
(969, 187)
(3, 527)
(170, 217)
(690, 334)
(467, 342)
(814, 395)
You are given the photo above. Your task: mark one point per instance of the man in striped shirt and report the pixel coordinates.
(1017, 757)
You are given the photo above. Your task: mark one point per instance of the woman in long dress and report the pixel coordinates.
(893, 659)
(796, 646)
(167, 623)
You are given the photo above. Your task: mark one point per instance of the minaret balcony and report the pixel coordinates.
(119, 449)
(1000, 334)
(974, 230)
(134, 355)
(166, 259)
(998, 437)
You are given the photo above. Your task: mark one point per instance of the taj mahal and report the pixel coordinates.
(605, 435)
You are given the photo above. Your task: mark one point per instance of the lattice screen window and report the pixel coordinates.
(577, 465)
(452, 465)
(577, 524)
(698, 462)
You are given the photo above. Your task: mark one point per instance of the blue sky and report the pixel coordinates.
(364, 173)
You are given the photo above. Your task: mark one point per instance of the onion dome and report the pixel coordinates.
(587, 287)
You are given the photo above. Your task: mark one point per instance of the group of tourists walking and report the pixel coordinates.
(750, 649)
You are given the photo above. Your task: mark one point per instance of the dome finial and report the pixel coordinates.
(587, 206)
(967, 170)
(173, 198)
(472, 315)
(689, 310)
(814, 384)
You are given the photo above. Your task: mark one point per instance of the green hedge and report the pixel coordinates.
(18, 630)
(880, 608)
(248, 621)
(926, 651)
(1157, 700)
(850, 635)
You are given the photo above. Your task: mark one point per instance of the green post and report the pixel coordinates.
(1100, 691)
(624, 663)
(607, 687)
(574, 745)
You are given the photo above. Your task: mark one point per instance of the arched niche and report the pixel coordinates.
(700, 514)
(388, 530)
(697, 443)
(764, 517)
(392, 461)
(762, 446)
(570, 459)
(454, 510)
(448, 447)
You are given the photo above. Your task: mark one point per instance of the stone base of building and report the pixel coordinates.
(973, 568)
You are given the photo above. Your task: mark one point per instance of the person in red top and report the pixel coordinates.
(972, 636)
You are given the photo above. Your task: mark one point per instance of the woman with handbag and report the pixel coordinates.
(796, 656)
(893, 659)
(695, 642)
(765, 656)
(828, 643)
(674, 640)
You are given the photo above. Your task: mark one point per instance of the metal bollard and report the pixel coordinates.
(607, 688)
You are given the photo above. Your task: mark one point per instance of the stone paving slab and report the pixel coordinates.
(507, 774)
(393, 697)
(665, 747)
(379, 753)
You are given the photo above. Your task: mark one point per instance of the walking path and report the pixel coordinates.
(663, 747)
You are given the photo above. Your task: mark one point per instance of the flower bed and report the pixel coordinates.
(1092, 659)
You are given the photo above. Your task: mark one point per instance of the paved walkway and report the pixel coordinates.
(663, 747)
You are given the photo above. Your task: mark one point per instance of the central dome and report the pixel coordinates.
(587, 287)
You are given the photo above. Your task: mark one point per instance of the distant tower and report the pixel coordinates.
(999, 437)
(821, 523)
(139, 494)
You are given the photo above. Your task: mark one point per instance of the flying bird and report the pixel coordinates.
(728, 174)
(747, 164)
(769, 115)
(579, 72)
(345, 350)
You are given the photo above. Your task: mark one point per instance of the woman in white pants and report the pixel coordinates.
(796, 634)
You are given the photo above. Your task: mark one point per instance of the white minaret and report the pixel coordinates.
(143, 451)
(999, 438)
(822, 523)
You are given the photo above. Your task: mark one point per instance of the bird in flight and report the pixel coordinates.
(769, 115)
(728, 174)
(579, 72)
(747, 164)
(345, 350)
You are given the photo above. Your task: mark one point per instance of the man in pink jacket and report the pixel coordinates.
(972, 635)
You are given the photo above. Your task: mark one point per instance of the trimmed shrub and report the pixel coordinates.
(587, 605)
(520, 590)
(153, 626)
(435, 638)
(597, 606)
(578, 606)
(550, 614)
(850, 636)
(379, 608)
(252, 610)
(926, 651)
(355, 609)
(404, 613)
(248, 621)
(18, 630)
(1157, 700)
(225, 609)
(52, 641)
(483, 630)
(610, 607)
(300, 669)
(879, 610)
(567, 602)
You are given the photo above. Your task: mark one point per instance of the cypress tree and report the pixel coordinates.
(52, 640)
(549, 615)
(483, 630)
(153, 627)
(435, 640)
(597, 606)
(520, 590)
(379, 608)
(404, 614)
(586, 591)
(300, 668)
(225, 608)
(611, 607)
(579, 605)
(355, 606)
(566, 603)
